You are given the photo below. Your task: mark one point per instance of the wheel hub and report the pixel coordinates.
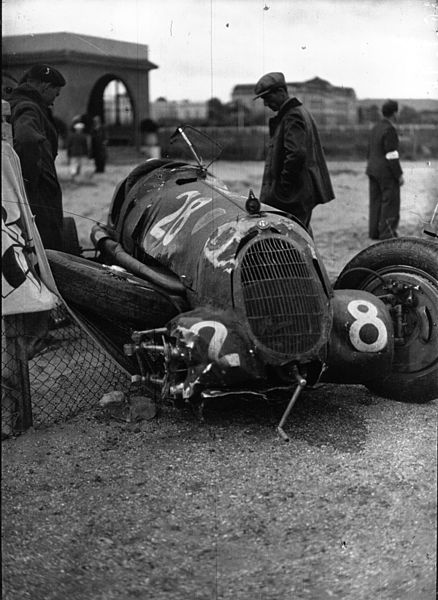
(413, 301)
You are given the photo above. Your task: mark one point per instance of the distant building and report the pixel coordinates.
(163, 110)
(104, 77)
(422, 110)
(329, 104)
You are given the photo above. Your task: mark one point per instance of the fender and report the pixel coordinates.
(215, 348)
(361, 344)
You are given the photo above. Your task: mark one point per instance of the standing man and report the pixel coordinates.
(385, 175)
(98, 144)
(77, 149)
(295, 178)
(36, 142)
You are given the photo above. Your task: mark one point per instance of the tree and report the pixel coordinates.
(408, 115)
(217, 112)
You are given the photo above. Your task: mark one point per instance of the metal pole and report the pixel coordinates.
(301, 384)
(16, 395)
(190, 145)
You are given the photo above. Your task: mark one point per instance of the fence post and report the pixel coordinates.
(16, 395)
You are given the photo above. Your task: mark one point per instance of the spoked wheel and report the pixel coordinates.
(404, 273)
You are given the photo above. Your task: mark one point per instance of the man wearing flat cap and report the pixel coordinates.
(35, 140)
(385, 175)
(295, 178)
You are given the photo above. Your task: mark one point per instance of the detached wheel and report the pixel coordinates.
(70, 237)
(404, 269)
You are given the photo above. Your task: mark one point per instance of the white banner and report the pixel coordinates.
(22, 288)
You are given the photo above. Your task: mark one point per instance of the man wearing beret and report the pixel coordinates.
(385, 175)
(36, 142)
(295, 178)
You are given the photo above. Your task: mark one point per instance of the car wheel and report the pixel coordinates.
(405, 269)
(70, 238)
(111, 292)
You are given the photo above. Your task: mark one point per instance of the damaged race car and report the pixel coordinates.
(205, 293)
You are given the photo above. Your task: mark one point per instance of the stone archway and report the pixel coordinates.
(120, 130)
(95, 100)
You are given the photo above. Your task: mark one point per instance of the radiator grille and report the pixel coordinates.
(283, 300)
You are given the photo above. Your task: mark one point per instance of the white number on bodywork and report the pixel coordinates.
(169, 226)
(365, 315)
(217, 341)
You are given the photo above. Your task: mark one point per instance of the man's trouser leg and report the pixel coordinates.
(47, 208)
(390, 211)
(374, 208)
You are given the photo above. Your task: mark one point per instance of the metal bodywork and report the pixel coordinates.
(263, 311)
(250, 307)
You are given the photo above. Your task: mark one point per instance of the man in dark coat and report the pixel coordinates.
(35, 141)
(295, 177)
(98, 144)
(385, 175)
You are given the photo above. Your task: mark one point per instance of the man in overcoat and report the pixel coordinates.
(295, 178)
(98, 144)
(385, 175)
(35, 140)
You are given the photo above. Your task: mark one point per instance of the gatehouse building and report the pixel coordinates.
(105, 77)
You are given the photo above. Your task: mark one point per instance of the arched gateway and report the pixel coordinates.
(104, 77)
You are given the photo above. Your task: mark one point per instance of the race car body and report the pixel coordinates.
(245, 300)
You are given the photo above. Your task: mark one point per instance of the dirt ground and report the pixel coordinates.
(96, 509)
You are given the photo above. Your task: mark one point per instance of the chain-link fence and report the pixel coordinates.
(67, 373)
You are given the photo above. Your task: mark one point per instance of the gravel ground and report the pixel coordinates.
(175, 509)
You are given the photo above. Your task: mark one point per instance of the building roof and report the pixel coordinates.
(18, 48)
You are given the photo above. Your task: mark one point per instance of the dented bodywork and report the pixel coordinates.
(262, 308)
(246, 305)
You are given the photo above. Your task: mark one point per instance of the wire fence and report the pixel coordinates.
(68, 373)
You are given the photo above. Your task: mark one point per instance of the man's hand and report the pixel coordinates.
(401, 180)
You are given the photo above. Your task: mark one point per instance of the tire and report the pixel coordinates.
(119, 297)
(414, 262)
(70, 238)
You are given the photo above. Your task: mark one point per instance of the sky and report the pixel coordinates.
(203, 48)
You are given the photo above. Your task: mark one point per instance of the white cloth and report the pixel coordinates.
(23, 290)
